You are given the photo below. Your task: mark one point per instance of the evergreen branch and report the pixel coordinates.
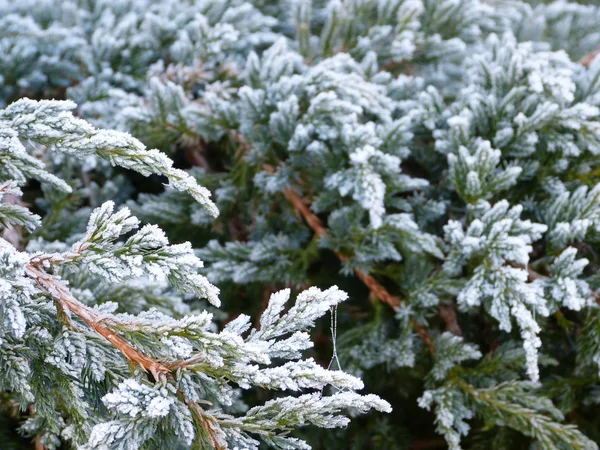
(279, 336)
(59, 292)
(376, 288)
(512, 404)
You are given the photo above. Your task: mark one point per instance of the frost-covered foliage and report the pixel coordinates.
(163, 379)
(438, 159)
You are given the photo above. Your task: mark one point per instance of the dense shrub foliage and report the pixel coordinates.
(187, 187)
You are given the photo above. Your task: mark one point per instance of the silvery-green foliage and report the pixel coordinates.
(565, 287)
(372, 345)
(207, 357)
(541, 110)
(51, 124)
(12, 215)
(446, 156)
(346, 124)
(149, 369)
(572, 215)
(273, 258)
(112, 44)
(476, 175)
(456, 396)
(500, 236)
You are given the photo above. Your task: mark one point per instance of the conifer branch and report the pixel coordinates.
(377, 289)
(57, 291)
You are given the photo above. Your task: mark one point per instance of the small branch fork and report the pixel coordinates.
(65, 300)
(55, 289)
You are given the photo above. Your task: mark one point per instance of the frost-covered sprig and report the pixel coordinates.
(227, 355)
(572, 215)
(565, 287)
(476, 175)
(450, 408)
(456, 396)
(498, 238)
(172, 349)
(51, 124)
(512, 404)
(15, 291)
(451, 350)
(147, 252)
(333, 127)
(14, 214)
(84, 44)
(274, 258)
(223, 355)
(18, 165)
(505, 293)
(307, 409)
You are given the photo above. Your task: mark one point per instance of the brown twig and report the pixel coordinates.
(587, 59)
(55, 289)
(208, 425)
(317, 226)
(38, 444)
(376, 289)
(450, 318)
(533, 275)
(205, 421)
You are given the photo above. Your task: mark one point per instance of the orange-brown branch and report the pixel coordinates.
(317, 226)
(587, 59)
(376, 288)
(38, 444)
(61, 294)
(55, 289)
